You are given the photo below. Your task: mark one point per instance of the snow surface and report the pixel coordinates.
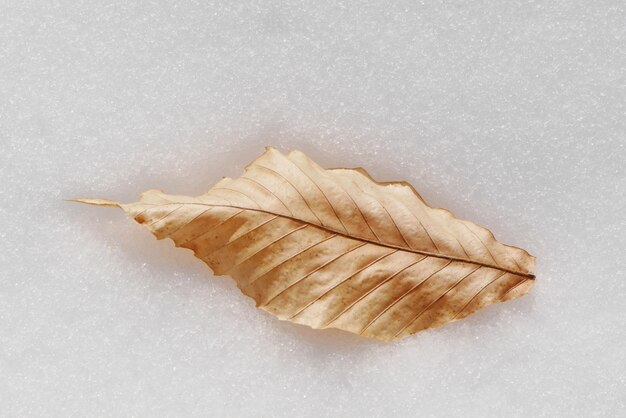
(509, 113)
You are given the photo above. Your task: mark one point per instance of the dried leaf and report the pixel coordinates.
(336, 249)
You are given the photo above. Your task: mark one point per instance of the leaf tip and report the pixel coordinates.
(95, 202)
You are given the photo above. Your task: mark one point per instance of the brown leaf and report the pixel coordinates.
(336, 249)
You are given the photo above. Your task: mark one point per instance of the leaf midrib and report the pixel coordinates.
(411, 250)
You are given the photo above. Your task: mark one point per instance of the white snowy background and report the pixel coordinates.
(509, 113)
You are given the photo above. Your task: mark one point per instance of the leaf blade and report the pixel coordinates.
(306, 247)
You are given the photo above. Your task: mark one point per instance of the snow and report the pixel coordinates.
(510, 114)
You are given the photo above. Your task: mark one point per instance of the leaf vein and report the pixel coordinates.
(363, 296)
(294, 187)
(291, 257)
(222, 222)
(397, 300)
(321, 191)
(232, 240)
(190, 221)
(240, 192)
(313, 271)
(435, 301)
(343, 281)
(476, 295)
(388, 214)
(338, 182)
(253, 181)
(512, 288)
(266, 247)
(411, 250)
(165, 216)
